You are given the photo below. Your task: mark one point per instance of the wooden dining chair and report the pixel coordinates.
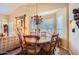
(53, 44)
(49, 48)
(22, 43)
(26, 47)
(43, 35)
(32, 48)
(32, 33)
(45, 48)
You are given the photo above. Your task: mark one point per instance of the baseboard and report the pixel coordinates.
(67, 50)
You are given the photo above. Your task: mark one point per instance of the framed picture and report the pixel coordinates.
(5, 28)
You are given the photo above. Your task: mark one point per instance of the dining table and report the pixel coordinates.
(40, 40)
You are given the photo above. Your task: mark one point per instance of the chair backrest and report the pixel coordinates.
(33, 33)
(32, 47)
(53, 44)
(43, 34)
(20, 40)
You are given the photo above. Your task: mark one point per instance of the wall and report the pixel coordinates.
(73, 36)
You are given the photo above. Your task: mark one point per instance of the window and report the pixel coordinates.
(33, 26)
(47, 25)
(60, 28)
(0, 27)
(10, 28)
(1, 24)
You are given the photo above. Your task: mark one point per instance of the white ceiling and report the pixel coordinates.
(49, 12)
(7, 8)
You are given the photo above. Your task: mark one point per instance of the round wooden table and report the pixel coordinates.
(33, 40)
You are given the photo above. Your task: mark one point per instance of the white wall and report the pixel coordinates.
(74, 36)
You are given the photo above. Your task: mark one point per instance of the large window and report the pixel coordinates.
(60, 28)
(10, 28)
(0, 24)
(0, 27)
(33, 26)
(47, 25)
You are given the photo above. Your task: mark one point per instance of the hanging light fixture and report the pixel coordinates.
(37, 18)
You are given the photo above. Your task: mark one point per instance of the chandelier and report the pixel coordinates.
(37, 18)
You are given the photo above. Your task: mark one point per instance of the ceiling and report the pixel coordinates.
(7, 8)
